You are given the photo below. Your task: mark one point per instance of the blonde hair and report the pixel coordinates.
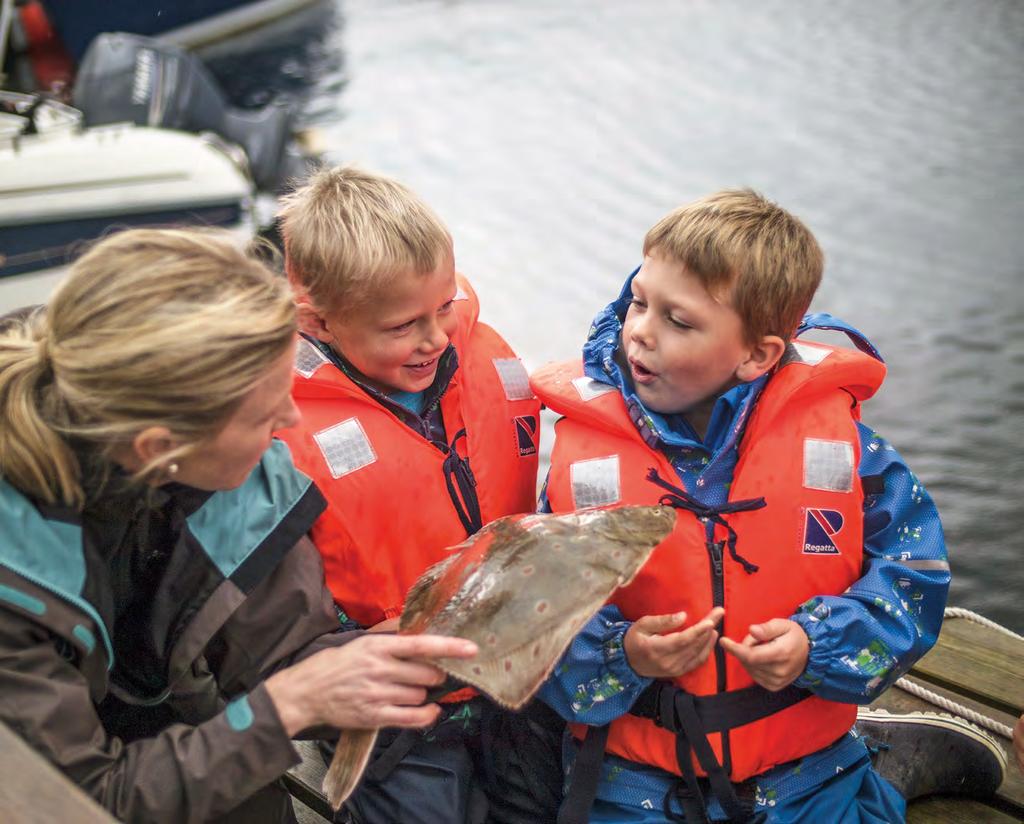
(348, 232)
(741, 244)
(152, 327)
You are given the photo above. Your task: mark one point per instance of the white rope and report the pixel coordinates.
(960, 612)
(952, 706)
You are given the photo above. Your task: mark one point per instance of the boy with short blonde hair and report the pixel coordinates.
(807, 569)
(419, 427)
(348, 232)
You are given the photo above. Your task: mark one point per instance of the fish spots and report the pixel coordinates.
(477, 671)
(587, 574)
(491, 640)
(528, 570)
(616, 554)
(557, 546)
(508, 665)
(541, 607)
(536, 650)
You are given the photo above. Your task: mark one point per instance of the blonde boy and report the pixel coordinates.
(723, 679)
(419, 427)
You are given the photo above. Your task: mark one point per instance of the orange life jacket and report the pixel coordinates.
(800, 452)
(390, 514)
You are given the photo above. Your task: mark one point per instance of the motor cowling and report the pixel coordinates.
(128, 77)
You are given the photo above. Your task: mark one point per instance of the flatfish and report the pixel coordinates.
(521, 588)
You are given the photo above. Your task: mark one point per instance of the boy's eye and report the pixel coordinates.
(679, 324)
(402, 326)
(447, 307)
(635, 301)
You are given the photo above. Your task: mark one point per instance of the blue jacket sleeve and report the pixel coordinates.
(866, 638)
(593, 683)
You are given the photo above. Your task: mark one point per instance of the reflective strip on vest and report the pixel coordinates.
(308, 358)
(590, 389)
(809, 353)
(513, 378)
(595, 482)
(828, 465)
(345, 447)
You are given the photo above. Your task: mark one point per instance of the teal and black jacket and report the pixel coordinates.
(154, 704)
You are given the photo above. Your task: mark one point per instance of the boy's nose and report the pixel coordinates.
(639, 332)
(436, 338)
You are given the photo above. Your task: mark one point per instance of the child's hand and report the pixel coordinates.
(654, 655)
(774, 653)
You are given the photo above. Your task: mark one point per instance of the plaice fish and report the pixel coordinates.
(521, 588)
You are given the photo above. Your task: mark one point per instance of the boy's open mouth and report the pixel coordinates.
(641, 374)
(422, 367)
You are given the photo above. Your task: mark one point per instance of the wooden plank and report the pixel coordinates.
(33, 791)
(978, 662)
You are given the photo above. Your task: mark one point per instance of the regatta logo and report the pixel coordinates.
(820, 528)
(526, 435)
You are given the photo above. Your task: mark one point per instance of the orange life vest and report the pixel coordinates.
(390, 514)
(800, 452)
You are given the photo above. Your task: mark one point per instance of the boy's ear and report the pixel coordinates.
(762, 357)
(310, 320)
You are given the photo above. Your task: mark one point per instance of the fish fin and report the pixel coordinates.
(350, 759)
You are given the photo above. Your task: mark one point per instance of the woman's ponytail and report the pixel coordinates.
(34, 456)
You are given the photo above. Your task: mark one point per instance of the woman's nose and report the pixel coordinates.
(292, 415)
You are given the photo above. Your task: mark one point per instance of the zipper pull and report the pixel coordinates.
(715, 548)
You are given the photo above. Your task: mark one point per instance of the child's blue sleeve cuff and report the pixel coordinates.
(594, 683)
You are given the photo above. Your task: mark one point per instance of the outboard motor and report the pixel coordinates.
(127, 77)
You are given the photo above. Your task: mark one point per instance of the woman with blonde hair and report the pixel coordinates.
(164, 628)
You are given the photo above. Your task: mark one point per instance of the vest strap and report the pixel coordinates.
(585, 776)
(719, 712)
(458, 477)
(690, 718)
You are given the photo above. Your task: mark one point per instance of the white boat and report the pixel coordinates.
(65, 185)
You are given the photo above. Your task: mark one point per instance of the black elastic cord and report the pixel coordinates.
(681, 499)
(458, 477)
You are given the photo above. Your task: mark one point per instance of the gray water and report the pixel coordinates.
(551, 136)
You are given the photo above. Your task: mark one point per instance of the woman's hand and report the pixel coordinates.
(653, 654)
(367, 683)
(774, 653)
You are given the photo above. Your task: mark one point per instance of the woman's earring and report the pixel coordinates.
(172, 469)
